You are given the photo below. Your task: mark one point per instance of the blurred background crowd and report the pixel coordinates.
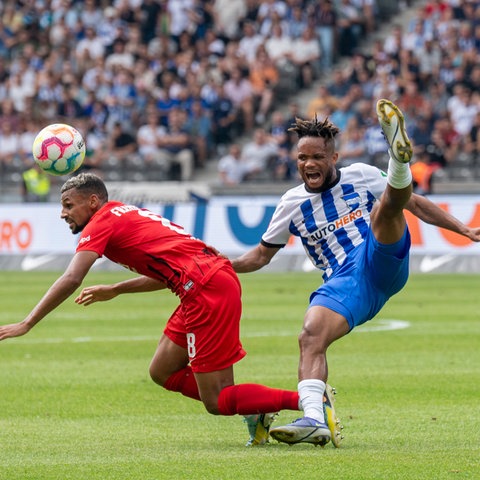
(161, 89)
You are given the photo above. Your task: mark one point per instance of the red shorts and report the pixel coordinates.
(208, 325)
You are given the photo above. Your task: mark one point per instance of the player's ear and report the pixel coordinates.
(94, 202)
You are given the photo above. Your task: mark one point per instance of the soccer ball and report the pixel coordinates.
(59, 149)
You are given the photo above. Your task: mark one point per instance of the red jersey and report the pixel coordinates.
(150, 245)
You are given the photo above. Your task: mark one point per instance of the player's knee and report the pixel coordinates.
(211, 405)
(157, 376)
(308, 340)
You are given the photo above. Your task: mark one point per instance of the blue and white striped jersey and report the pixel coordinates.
(333, 223)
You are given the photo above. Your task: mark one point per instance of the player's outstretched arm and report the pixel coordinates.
(63, 287)
(431, 213)
(254, 259)
(102, 293)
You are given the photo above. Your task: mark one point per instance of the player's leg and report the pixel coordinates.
(257, 403)
(214, 348)
(387, 220)
(170, 368)
(322, 326)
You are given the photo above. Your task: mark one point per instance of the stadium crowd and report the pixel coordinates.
(161, 87)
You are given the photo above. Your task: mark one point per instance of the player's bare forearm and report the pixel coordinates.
(254, 259)
(55, 295)
(431, 213)
(102, 293)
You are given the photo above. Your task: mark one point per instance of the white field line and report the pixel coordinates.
(375, 326)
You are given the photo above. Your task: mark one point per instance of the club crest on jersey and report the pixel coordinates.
(352, 200)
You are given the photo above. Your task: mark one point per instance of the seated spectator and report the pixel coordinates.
(199, 125)
(325, 21)
(8, 114)
(471, 142)
(343, 113)
(9, 146)
(121, 143)
(375, 143)
(420, 134)
(323, 101)
(240, 91)
(69, 108)
(462, 108)
(224, 118)
(259, 154)
(95, 154)
(263, 78)
(285, 165)
(441, 150)
(353, 147)
(350, 27)
(422, 170)
(228, 14)
(297, 22)
(429, 60)
(271, 13)
(278, 45)
(339, 84)
(231, 168)
(293, 113)
(305, 55)
(278, 130)
(411, 101)
(175, 148)
(28, 131)
(89, 49)
(120, 58)
(148, 137)
(248, 44)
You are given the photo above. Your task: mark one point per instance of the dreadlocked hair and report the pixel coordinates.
(314, 128)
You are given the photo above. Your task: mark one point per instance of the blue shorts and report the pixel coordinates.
(369, 277)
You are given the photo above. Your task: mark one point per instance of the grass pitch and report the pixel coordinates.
(76, 401)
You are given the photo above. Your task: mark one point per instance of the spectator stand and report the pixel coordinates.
(96, 65)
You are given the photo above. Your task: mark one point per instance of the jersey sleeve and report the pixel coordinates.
(376, 179)
(278, 231)
(95, 236)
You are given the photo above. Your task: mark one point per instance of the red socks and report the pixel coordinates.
(249, 398)
(184, 382)
(243, 399)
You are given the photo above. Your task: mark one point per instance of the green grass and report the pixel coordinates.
(76, 401)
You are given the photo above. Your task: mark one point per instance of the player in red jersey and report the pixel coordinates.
(200, 344)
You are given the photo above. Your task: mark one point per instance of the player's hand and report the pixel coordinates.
(96, 293)
(13, 330)
(217, 252)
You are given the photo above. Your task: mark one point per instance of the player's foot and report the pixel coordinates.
(302, 430)
(258, 427)
(331, 418)
(392, 122)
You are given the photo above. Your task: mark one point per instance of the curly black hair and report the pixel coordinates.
(314, 128)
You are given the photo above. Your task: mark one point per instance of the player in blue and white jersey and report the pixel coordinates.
(351, 223)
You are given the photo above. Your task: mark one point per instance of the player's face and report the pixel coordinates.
(316, 161)
(77, 209)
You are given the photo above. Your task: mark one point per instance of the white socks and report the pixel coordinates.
(311, 398)
(398, 174)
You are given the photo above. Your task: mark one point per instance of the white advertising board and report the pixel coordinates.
(231, 224)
